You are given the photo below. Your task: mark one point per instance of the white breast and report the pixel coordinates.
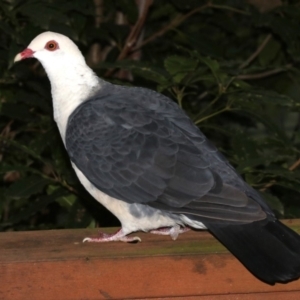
(123, 211)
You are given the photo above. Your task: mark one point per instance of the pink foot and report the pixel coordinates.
(115, 237)
(171, 231)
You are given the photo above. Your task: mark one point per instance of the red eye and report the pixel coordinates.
(51, 46)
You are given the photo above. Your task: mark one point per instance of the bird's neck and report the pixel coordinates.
(70, 86)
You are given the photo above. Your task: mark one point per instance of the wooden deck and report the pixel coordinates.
(54, 265)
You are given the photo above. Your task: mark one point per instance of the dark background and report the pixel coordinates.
(232, 65)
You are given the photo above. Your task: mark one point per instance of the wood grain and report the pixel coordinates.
(46, 265)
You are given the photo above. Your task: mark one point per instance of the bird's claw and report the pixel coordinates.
(119, 236)
(173, 232)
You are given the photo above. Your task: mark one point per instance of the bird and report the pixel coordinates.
(140, 155)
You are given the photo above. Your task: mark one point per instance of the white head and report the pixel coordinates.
(72, 81)
(51, 47)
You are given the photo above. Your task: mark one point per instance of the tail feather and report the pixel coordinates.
(268, 249)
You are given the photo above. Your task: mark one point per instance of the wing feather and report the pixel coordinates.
(141, 148)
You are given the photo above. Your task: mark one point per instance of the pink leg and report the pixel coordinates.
(115, 237)
(172, 231)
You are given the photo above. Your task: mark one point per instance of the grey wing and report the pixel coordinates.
(148, 151)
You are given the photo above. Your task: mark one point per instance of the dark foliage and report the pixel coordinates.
(233, 66)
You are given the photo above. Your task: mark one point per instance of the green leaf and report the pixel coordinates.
(214, 66)
(269, 53)
(274, 202)
(153, 75)
(179, 66)
(267, 97)
(34, 207)
(77, 216)
(289, 185)
(27, 187)
(66, 201)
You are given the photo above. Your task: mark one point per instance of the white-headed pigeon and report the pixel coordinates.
(138, 154)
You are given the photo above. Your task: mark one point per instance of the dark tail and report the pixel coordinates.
(268, 249)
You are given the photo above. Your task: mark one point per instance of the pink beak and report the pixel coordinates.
(24, 54)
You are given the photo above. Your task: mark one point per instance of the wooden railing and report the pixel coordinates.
(56, 265)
